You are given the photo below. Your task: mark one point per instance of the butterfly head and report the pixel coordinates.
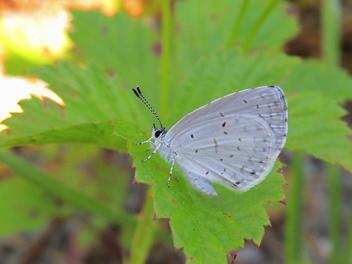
(157, 133)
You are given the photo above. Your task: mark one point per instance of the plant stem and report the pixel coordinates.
(335, 208)
(294, 211)
(257, 25)
(238, 23)
(331, 30)
(144, 233)
(165, 57)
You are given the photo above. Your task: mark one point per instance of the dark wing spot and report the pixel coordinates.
(238, 148)
(257, 106)
(240, 139)
(224, 124)
(238, 183)
(221, 159)
(207, 172)
(216, 145)
(253, 172)
(225, 132)
(231, 156)
(196, 150)
(245, 101)
(222, 114)
(192, 136)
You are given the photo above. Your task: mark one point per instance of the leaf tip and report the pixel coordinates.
(134, 180)
(233, 255)
(154, 217)
(283, 201)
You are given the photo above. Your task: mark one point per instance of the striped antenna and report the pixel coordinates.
(139, 94)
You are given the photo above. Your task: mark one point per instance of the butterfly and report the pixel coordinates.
(233, 141)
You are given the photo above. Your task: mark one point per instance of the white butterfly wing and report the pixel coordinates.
(233, 140)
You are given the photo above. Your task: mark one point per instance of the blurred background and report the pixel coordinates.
(34, 33)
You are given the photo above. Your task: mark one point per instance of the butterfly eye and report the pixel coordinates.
(157, 133)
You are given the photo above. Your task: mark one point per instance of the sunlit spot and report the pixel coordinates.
(134, 8)
(14, 89)
(36, 35)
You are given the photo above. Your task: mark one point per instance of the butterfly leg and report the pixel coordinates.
(144, 142)
(155, 150)
(172, 168)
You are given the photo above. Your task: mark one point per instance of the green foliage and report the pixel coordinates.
(100, 110)
(314, 124)
(61, 191)
(312, 75)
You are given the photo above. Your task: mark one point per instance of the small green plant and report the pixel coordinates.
(201, 60)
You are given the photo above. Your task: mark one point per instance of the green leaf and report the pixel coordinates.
(93, 133)
(87, 113)
(121, 43)
(132, 48)
(313, 75)
(315, 128)
(206, 26)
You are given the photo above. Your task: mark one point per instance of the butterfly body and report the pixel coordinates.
(233, 141)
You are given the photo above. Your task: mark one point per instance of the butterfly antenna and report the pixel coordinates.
(141, 97)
